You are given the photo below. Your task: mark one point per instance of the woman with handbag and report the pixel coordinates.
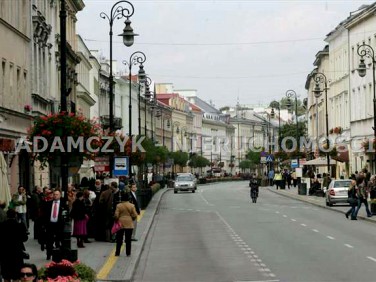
(352, 200)
(125, 213)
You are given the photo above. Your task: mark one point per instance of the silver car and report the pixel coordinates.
(185, 182)
(337, 191)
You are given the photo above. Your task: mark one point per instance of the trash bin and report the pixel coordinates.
(302, 189)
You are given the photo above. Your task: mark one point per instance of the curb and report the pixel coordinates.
(317, 205)
(153, 208)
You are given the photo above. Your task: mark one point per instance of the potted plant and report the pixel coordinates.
(60, 126)
(66, 271)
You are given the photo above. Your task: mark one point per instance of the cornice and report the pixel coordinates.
(15, 30)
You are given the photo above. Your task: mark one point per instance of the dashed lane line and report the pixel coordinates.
(293, 219)
(330, 237)
(302, 224)
(315, 230)
(372, 258)
(349, 246)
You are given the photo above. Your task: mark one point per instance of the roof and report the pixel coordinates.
(204, 106)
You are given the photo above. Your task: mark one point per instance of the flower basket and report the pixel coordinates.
(368, 145)
(66, 271)
(48, 131)
(28, 108)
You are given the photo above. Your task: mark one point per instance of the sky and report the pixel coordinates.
(229, 51)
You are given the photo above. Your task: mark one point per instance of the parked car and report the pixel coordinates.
(337, 191)
(185, 182)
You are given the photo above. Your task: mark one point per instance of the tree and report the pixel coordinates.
(198, 161)
(283, 105)
(245, 164)
(180, 158)
(289, 130)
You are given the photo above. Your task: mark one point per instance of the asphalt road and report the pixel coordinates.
(217, 234)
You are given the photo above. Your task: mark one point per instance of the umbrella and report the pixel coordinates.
(4, 185)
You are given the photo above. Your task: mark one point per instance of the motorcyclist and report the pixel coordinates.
(254, 191)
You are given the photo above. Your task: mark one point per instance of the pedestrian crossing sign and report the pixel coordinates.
(269, 159)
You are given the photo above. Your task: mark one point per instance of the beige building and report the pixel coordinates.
(15, 94)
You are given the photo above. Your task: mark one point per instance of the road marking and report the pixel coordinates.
(371, 258)
(111, 260)
(330, 237)
(349, 246)
(277, 212)
(303, 225)
(206, 201)
(293, 219)
(315, 230)
(284, 215)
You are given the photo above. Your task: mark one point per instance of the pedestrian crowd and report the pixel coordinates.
(93, 212)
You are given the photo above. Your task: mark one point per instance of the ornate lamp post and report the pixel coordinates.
(147, 99)
(292, 94)
(137, 58)
(366, 51)
(118, 11)
(141, 80)
(320, 78)
(276, 105)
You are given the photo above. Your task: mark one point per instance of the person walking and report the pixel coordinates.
(78, 214)
(125, 213)
(271, 177)
(35, 210)
(19, 200)
(278, 179)
(133, 200)
(362, 195)
(352, 199)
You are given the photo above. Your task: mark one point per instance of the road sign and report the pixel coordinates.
(269, 159)
(121, 166)
(101, 164)
(294, 163)
(263, 160)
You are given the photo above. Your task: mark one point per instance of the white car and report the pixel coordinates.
(185, 182)
(337, 192)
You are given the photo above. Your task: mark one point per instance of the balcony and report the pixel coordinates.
(105, 122)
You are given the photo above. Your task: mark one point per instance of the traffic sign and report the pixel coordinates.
(121, 166)
(269, 159)
(294, 163)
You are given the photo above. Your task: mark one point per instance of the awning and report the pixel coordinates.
(320, 162)
(4, 188)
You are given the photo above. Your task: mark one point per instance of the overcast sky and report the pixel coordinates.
(248, 50)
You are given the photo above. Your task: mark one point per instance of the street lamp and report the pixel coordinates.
(141, 80)
(292, 94)
(367, 51)
(320, 78)
(118, 11)
(137, 58)
(147, 99)
(276, 105)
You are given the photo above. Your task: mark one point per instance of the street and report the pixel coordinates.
(217, 234)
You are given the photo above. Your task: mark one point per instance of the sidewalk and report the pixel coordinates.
(100, 255)
(318, 201)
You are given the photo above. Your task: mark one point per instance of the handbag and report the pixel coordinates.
(116, 227)
(352, 201)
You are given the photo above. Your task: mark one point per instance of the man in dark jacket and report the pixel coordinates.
(133, 200)
(54, 222)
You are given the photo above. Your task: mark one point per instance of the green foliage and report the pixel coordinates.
(85, 273)
(289, 130)
(180, 158)
(198, 161)
(254, 157)
(245, 164)
(283, 105)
